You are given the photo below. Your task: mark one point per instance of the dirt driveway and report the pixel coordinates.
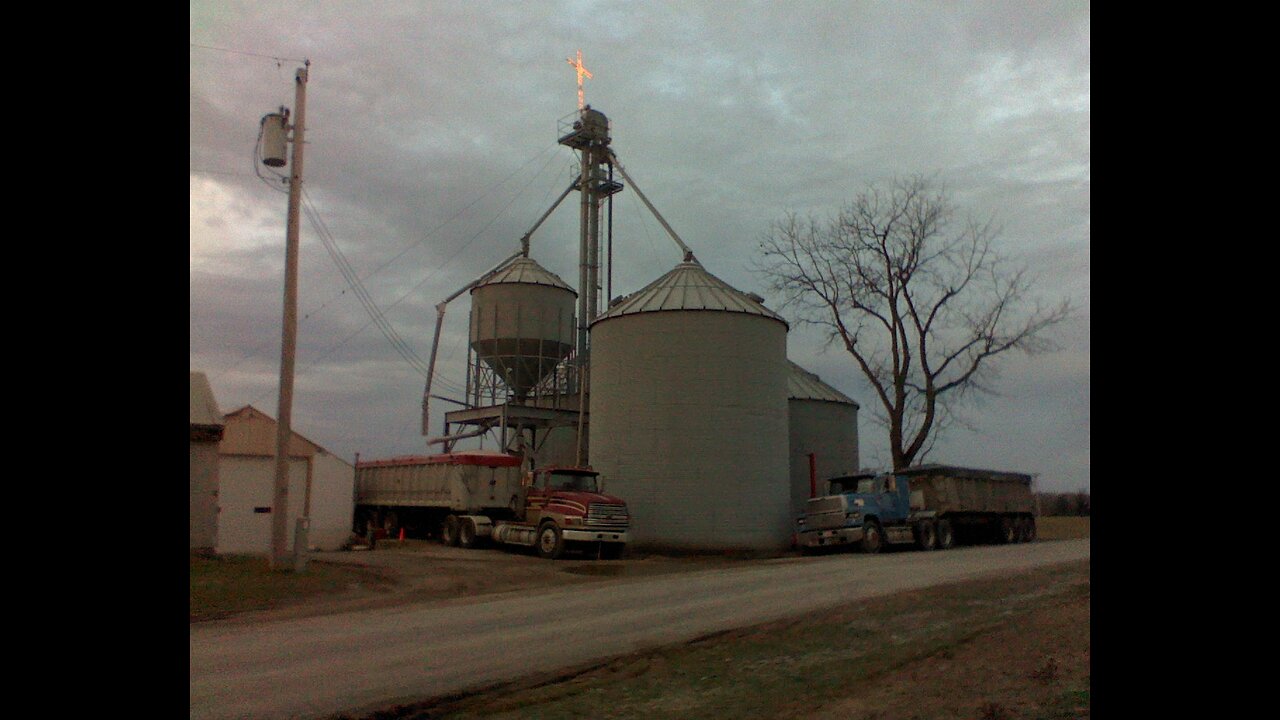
(313, 666)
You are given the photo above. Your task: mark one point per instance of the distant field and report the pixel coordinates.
(1062, 528)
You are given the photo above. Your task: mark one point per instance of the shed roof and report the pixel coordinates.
(204, 408)
(804, 385)
(250, 431)
(487, 458)
(525, 270)
(689, 286)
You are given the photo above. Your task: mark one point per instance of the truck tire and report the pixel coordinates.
(872, 538)
(550, 541)
(466, 533)
(449, 531)
(1029, 529)
(946, 535)
(1008, 530)
(926, 535)
(364, 521)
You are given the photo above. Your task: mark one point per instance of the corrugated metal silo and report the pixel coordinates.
(689, 414)
(823, 421)
(522, 324)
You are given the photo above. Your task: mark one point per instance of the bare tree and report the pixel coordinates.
(920, 300)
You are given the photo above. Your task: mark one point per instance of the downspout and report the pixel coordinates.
(813, 476)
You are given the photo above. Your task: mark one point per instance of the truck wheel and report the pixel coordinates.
(1020, 530)
(449, 531)
(926, 535)
(466, 533)
(550, 541)
(1008, 532)
(364, 521)
(946, 535)
(872, 538)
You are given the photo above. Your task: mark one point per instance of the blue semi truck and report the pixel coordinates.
(929, 506)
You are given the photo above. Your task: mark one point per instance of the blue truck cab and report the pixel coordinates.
(856, 510)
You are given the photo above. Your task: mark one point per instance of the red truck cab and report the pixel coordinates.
(567, 505)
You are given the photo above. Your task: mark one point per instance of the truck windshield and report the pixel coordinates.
(584, 483)
(850, 485)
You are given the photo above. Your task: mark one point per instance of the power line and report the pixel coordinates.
(378, 317)
(468, 206)
(477, 234)
(379, 314)
(356, 284)
(241, 52)
(202, 171)
(362, 293)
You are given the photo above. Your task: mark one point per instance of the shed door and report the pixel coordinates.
(246, 486)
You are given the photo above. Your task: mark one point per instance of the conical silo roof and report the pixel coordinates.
(804, 385)
(526, 271)
(689, 286)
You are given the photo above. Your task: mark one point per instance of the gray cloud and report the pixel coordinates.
(431, 149)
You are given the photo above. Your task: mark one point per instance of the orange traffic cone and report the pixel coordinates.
(401, 534)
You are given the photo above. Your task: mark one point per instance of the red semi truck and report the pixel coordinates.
(468, 498)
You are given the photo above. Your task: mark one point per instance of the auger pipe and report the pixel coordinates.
(688, 254)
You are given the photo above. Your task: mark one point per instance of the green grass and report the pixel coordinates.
(229, 584)
(1069, 705)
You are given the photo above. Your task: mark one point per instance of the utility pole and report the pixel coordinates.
(280, 556)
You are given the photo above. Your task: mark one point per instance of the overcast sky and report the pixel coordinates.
(431, 133)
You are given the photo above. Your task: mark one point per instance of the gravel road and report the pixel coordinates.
(319, 666)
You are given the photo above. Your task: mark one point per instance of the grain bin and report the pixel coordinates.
(522, 324)
(689, 414)
(824, 422)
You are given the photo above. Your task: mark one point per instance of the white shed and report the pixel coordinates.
(247, 479)
(206, 434)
